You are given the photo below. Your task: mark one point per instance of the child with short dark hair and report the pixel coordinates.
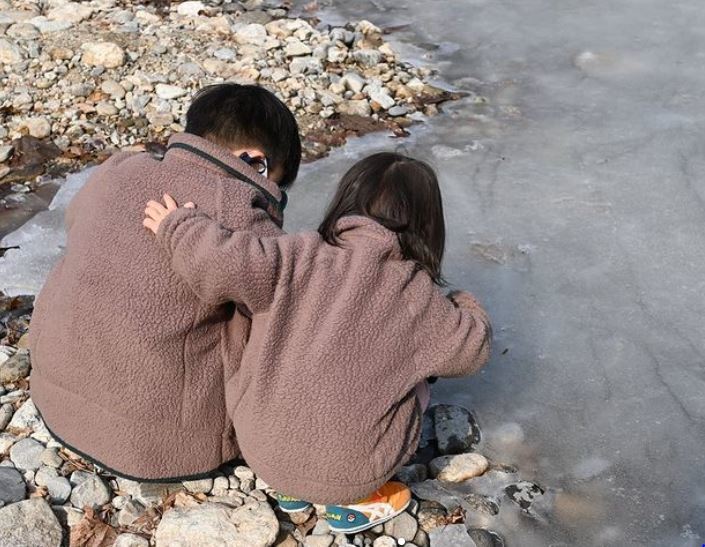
(131, 383)
(348, 323)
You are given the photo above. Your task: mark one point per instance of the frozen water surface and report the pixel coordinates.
(576, 211)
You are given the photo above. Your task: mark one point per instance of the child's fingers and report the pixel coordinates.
(150, 225)
(152, 213)
(170, 203)
(156, 206)
(190, 205)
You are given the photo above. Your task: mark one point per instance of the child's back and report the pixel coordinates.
(324, 403)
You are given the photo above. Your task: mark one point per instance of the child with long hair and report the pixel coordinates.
(348, 323)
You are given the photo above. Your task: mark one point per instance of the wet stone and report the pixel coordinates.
(524, 493)
(12, 487)
(456, 429)
(486, 538)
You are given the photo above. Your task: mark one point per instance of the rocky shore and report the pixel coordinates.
(80, 79)
(50, 496)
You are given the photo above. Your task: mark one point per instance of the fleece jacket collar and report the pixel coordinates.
(227, 162)
(350, 228)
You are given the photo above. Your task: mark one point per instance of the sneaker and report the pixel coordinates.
(386, 503)
(291, 505)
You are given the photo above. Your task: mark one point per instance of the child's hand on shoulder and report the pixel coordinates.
(155, 212)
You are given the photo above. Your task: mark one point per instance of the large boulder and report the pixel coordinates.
(29, 523)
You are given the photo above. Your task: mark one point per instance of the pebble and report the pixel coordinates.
(106, 109)
(30, 523)
(77, 477)
(485, 538)
(319, 541)
(6, 441)
(403, 526)
(524, 493)
(12, 487)
(459, 467)
(44, 474)
(360, 107)
(220, 486)
(190, 8)
(5, 152)
(113, 88)
(148, 492)
(10, 53)
(243, 473)
(353, 81)
(6, 412)
(48, 26)
(51, 457)
(252, 525)
(253, 33)
(385, 541)
(456, 429)
(105, 54)
(16, 367)
(224, 54)
(38, 127)
(397, 111)
(130, 540)
(59, 489)
(26, 454)
(92, 492)
(130, 512)
(453, 535)
(71, 12)
(295, 48)
(166, 91)
(23, 31)
(201, 486)
(26, 417)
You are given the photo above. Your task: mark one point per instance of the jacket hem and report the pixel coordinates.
(164, 449)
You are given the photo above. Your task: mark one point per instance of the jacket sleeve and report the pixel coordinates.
(218, 264)
(457, 336)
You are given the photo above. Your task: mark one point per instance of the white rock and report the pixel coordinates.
(458, 468)
(30, 523)
(23, 31)
(382, 99)
(10, 53)
(160, 119)
(190, 8)
(353, 81)
(130, 540)
(106, 54)
(26, 417)
(250, 34)
(38, 127)
(73, 12)
(252, 525)
(242, 472)
(104, 108)
(385, 541)
(295, 48)
(47, 26)
(112, 88)
(6, 442)
(167, 91)
(5, 153)
(337, 54)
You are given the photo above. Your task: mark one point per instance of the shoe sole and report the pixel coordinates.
(290, 511)
(369, 525)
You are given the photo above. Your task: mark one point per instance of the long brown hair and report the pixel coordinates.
(402, 194)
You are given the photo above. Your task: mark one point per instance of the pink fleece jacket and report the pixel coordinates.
(323, 403)
(128, 366)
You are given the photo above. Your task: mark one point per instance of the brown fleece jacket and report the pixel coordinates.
(324, 403)
(128, 365)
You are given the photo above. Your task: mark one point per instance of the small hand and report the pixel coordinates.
(155, 212)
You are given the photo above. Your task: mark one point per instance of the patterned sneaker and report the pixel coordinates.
(291, 505)
(386, 503)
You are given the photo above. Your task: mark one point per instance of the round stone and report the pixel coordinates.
(59, 489)
(12, 487)
(459, 467)
(27, 454)
(106, 54)
(92, 493)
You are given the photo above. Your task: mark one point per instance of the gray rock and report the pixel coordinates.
(5, 152)
(367, 57)
(252, 525)
(10, 53)
(359, 107)
(130, 512)
(27, 454)
(30, 523)
(77, 477)
(201, 486)
(224, 54)
(353, 81)
(403, 526)
(23, 31)
(296, 48)
(524, 493)
(130, 540)
(421, 539)
(397, 111)
(45, 474)
(486, 538)
(148, 492)
(385, 541)
(90, 493)
(220, 486)
(431, 515)
(51, 457)
(59, 489)
(453, 535)
(410, 474)
(252, 33)
(113, 88)
(12, 488)
(47, 26)
(456, 429)
(382, 99)
(305, 65)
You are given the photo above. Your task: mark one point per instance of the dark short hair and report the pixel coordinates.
(402, 194)
(231, 114)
